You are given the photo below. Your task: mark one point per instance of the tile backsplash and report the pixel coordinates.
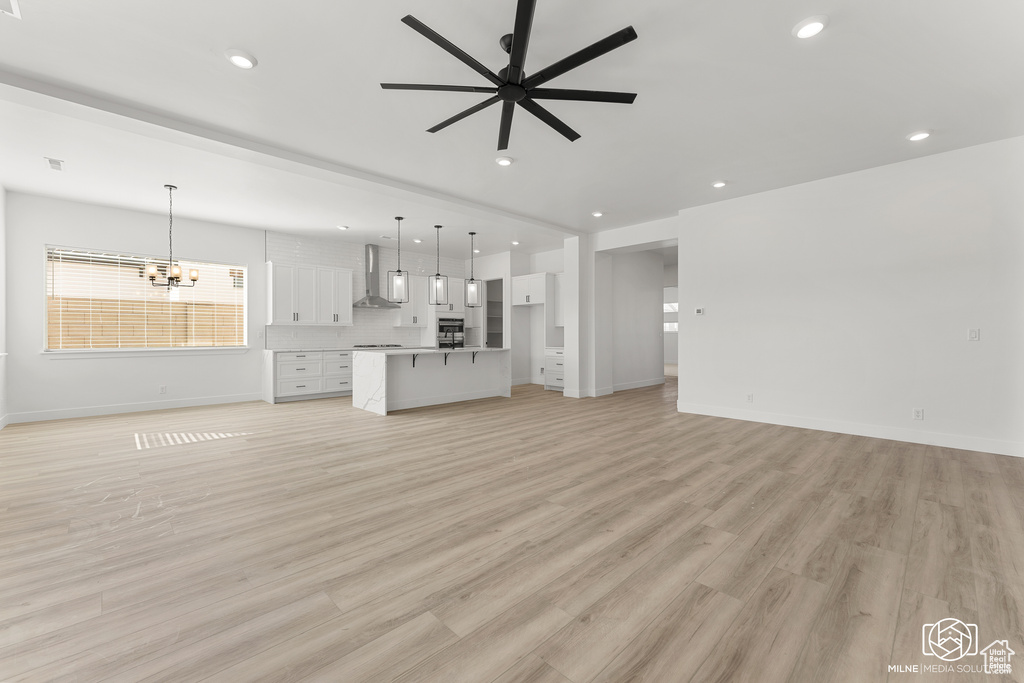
(369, 326)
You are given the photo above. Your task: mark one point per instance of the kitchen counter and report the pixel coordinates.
(384, 380)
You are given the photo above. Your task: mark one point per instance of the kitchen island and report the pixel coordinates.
(394, 379)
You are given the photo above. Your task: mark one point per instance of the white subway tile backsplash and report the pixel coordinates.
(369, 326)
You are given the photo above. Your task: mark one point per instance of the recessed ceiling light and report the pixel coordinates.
(342, 227)
(718, 184)
(810, 27)
(386, 237)
(55, 164)
(417, 241)
(515, 244)
(597, 214)
(504, 161)
(476, 251)
(243, 60)
(918, 136)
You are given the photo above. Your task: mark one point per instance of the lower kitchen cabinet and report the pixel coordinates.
(554, 368)
(297, 375)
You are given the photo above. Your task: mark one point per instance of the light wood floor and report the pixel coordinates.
(532, 539)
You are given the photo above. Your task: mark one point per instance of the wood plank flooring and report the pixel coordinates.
(532, 539)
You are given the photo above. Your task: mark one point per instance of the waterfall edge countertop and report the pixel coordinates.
(384, 380)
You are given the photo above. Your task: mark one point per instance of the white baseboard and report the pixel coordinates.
(604, 391)
(521, 380)
(4, 421)
(113, 409)
(624, 386)
(968, 443)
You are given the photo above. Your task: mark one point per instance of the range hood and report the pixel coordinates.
(373, 299)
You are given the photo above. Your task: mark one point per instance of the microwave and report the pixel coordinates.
(451, 333)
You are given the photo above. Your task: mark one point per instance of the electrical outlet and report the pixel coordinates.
(163, 388)
(918, 413)
(750, 398)
(698, 311)
(542, 371)
(973, 334)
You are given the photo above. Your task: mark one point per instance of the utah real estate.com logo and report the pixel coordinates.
(952, 640)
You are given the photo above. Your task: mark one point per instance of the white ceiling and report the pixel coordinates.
(136, 94)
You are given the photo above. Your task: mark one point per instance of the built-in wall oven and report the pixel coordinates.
(451, 333)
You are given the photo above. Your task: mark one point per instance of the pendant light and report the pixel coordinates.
(473, 298)
(438, 284)
(173, 269)
(398, 280)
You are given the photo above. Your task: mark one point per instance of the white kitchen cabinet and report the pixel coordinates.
(334, 296)
(296, 375)
(414, 312)
(528, 290)
(559, 301)
(293, 295)
(554, 368)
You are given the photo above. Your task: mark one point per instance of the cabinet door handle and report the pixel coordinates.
(300, 386)
(414, 320)
(299, 369)
(527, 298)
(302, 356)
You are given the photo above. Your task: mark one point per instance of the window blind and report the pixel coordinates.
(103, 300)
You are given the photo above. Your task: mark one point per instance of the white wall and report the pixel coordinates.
(637, 320)
(56, 386)
(547, 261)
(3, 309)
(845, 303)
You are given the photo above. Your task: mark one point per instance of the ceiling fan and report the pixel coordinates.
(511, 85)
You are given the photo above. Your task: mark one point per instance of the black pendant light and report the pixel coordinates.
(173, 269)
(398, 280)
(474, 298)
(438, 283)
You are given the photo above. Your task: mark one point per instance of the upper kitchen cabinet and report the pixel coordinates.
(532, 289)
(334, 296)
(307, 295)
(414, 312)
(292, 296)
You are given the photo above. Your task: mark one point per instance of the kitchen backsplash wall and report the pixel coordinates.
(369, 326)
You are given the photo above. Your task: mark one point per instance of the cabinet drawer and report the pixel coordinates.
(555, 381)
(555, 363)
(299, 386)
(299, 368)
(554, 351)
(337, 355)
(337, 384)
(298, 355)
(337, 367)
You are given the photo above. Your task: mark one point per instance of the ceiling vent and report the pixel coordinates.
(55, 164)
(10, 7)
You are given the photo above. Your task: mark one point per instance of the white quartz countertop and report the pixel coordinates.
(410, 352)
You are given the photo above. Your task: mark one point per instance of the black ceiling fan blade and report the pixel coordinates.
(463, 114)
(505, 129)
(582, 95)
(449, 47)
(443, 88)
(549, 118)
(604, 46)
(520, 39)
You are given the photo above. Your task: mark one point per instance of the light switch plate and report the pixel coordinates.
(698, 311)
(974, 334)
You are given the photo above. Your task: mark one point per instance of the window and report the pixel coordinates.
(103, 300)
(672, 327)
(670, 308)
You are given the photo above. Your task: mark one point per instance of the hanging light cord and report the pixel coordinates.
(170, 228)
(438, 227)
(472, 250)
(398, 218)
